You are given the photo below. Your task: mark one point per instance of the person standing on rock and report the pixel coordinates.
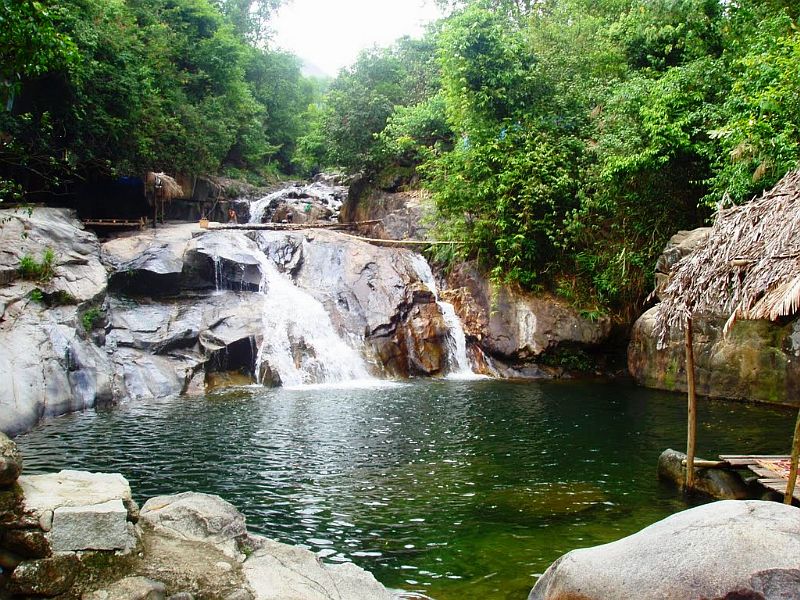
(232, 217)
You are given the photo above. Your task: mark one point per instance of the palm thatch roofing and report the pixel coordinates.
(170, 188)
(748, 269)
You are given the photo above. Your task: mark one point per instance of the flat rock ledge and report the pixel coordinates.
(725, 550)
(78, 535)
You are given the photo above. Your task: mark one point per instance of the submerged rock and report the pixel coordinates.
(727, 549)
(526, 503)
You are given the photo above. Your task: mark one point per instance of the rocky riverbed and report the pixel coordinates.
(75, 534)
(157, 312)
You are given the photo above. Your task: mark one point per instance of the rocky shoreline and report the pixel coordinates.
(75, 534)
(161, 312)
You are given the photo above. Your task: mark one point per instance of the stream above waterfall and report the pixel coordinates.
(458, 489)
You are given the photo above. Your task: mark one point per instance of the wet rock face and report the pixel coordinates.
(372, 294)
(514, 327)
(728, 549)
(317, 201)
(50, 367)
(757, 360)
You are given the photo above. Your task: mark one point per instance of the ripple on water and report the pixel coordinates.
(455, 489)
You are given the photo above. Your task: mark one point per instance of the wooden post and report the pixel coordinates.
(692, 412)
(787, 499)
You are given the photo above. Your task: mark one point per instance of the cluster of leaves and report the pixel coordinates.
(38, 270)
(564, 141)
(93, 88)
(92, 317)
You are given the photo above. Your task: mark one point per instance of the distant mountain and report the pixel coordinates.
(311, 70)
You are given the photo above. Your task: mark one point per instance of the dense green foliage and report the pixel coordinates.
(94, 88)
(565, 140)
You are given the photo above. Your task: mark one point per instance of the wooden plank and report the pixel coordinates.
(212, 225)
(762, 472)
(778, 485)
(287, 226)
(708, 464)
(744, 460)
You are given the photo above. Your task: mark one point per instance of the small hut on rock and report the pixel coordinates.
(160, 188)
(749, 268)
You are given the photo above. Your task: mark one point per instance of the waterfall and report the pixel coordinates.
(300, 344)
(456, 341)
(257, 207)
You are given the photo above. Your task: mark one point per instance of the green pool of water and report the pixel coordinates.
(460, 490)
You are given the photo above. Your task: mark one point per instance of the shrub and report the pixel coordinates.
(31, 269)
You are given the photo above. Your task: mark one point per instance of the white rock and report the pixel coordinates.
(196, 517)
(130, 588)
(70, 489)
(732, 548)
(281, 572)
(94, 527)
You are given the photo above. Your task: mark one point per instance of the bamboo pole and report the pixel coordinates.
(787, 498)
(692, 408)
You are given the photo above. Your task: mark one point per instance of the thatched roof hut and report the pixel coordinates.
(167, 186)
(748, 269)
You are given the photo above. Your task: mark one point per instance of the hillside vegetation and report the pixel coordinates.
(563, 140)
(566, 140)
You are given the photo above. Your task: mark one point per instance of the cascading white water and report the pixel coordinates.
(257, 207)
(456, 341)
(300, 345)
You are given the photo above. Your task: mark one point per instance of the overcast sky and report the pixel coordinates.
(330, 33)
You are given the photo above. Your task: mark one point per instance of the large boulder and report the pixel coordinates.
(78, 272)
(757, 360)
(150, 262)
(49, 366)
(681, 244)
(196, 517)
(515, 327)
(724, 550)
(278, 572)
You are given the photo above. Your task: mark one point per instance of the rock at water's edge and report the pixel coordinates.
(745, 547)
(717, 483)
(277, 571)
(10, 461)
(196, 517)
